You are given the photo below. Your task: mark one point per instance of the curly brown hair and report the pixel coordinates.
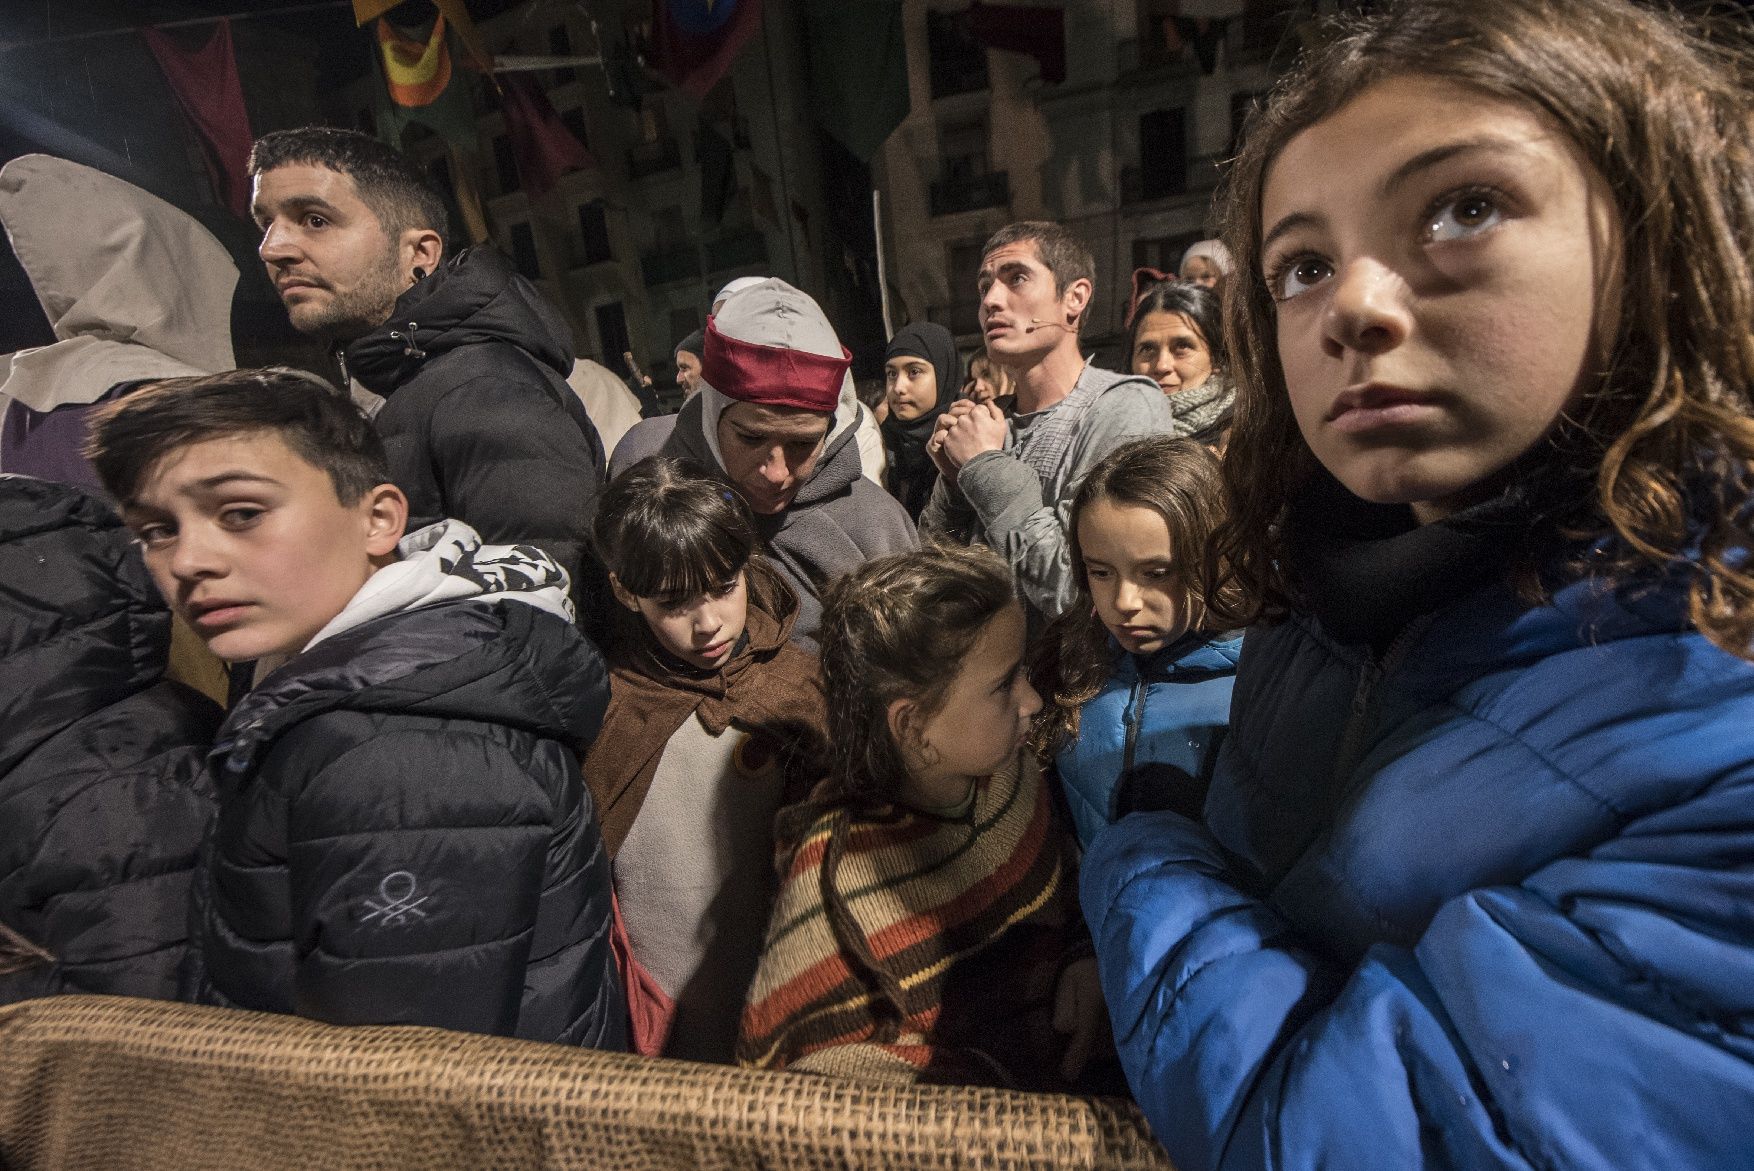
(899, 627)
(1653, 464)
(1179, 480)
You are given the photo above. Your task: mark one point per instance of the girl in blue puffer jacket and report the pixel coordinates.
(1474, 882)
(1139, 687)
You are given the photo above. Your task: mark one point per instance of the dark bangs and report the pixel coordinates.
(670, 532)
(694, 558)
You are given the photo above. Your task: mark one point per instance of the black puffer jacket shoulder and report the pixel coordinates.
(103, 797)
(479, 423)
(405, 837)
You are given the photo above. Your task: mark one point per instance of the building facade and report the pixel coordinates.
(680, 197)
(1126, 151)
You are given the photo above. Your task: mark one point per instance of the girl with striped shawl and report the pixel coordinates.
(927, 926)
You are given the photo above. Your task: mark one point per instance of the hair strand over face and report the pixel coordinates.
(670, 532)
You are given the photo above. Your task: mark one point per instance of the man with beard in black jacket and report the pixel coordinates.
(478, 421)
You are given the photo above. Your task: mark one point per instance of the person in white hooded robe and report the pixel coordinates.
(135, 290)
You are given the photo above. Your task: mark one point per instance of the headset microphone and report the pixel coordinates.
(1036, 323)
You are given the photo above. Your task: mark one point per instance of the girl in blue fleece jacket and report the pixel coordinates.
(1139, 686)
(1474, 882)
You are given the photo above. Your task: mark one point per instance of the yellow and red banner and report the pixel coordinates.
(415, 74)
(454, 11)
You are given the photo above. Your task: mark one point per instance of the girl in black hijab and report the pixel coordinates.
(922, 373)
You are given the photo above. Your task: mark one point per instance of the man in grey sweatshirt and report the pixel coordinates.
(1008, 482)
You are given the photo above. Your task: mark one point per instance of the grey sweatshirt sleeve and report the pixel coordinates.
(1026, 527)
(947, 515)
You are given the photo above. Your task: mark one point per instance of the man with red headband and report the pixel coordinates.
(777, 416)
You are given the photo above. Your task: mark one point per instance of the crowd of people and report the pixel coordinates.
(1335, 730)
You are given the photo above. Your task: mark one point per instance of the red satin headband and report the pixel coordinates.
(772, 375)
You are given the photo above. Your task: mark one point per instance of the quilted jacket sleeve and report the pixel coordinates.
(517, 466)
(123, 931)
(416, 859)
(104, 884)
(1595, 1014)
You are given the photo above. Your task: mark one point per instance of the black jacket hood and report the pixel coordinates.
(81, 624)
(473, 297)
(501, 663)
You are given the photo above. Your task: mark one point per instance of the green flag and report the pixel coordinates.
(858, 70)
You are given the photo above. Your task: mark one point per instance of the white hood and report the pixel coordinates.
(797, 324)
(134, 287)
(446, 562)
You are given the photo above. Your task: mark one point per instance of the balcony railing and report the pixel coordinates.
(736, 250)
(1166, 186)
(970, 193)
(653, 158)
(663, 265)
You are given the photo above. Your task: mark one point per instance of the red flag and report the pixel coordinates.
(544, 147)
(1031, 29)
(696, 40)
(205, 83)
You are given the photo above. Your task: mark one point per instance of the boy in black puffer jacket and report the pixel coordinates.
(404, 836)
(103, 801)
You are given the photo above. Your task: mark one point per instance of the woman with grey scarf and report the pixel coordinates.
(1177, 339)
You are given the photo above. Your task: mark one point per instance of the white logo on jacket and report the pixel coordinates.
(397, 892)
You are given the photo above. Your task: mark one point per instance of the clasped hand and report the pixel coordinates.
(964, 431)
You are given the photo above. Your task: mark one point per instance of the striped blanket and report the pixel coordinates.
(906, 946)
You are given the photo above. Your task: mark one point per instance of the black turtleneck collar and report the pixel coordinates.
(1367, 570)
